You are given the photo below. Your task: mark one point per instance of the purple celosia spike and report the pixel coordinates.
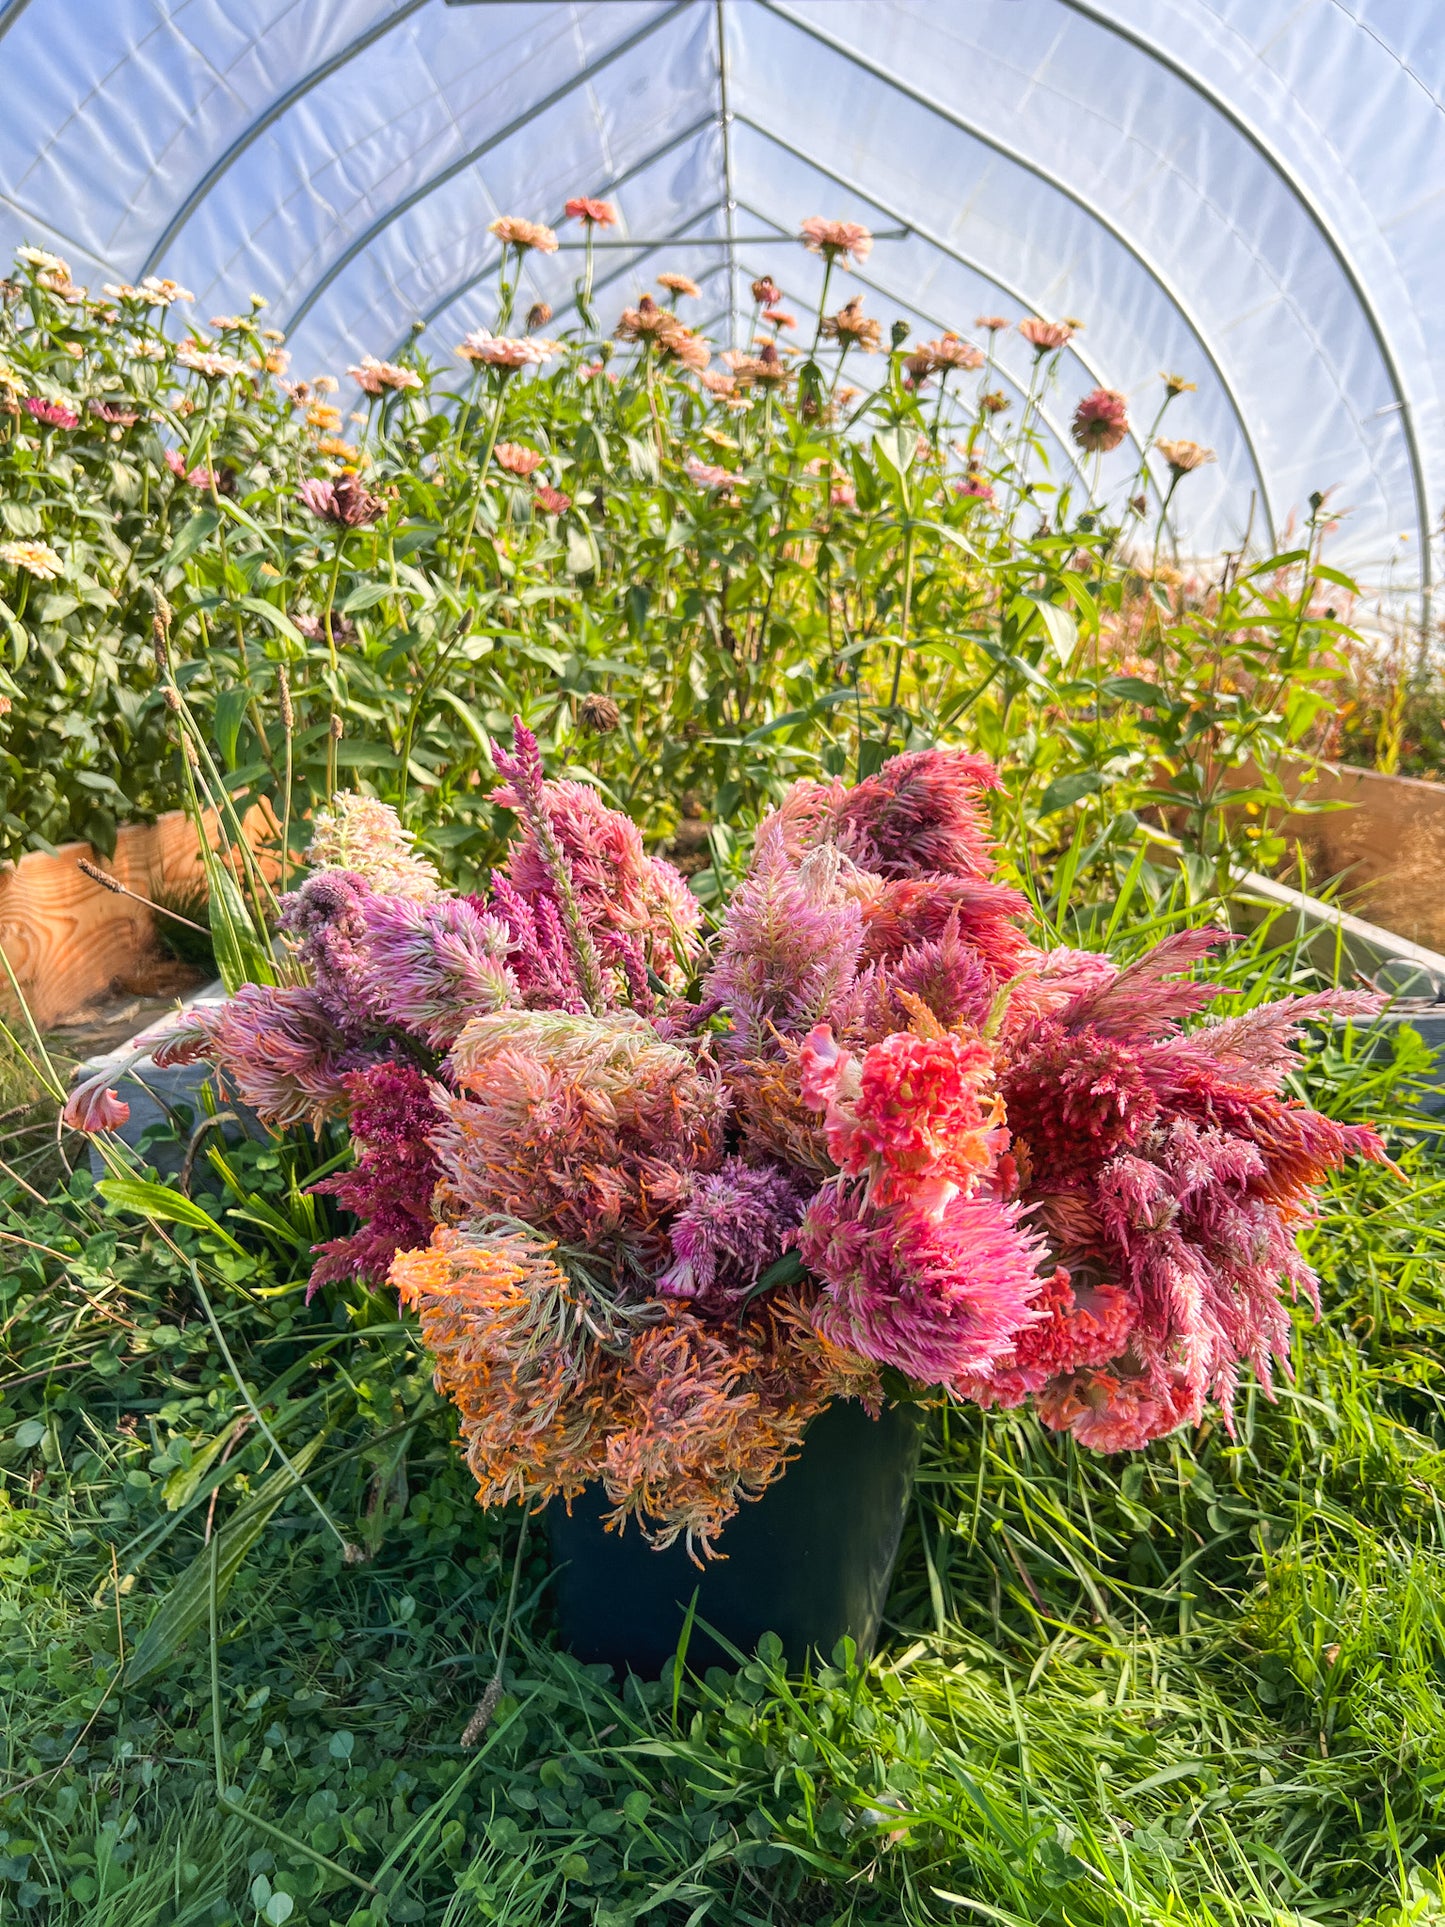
(730, 1230)
(524, 772)
(633, 964)
(324, 919)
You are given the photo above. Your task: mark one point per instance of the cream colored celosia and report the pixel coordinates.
(357, 833)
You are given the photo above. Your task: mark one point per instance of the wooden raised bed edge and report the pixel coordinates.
(69, 940)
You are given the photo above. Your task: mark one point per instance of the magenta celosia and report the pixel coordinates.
(391, 1113)
(279, 1051)
(325, 920)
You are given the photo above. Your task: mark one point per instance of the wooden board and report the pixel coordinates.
(1387, 845)
(71, 942)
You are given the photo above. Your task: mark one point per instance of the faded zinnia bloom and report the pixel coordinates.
(635, 324)
(600, 714)
(1045, 336)
(766, 291)
(852, 328)
(991, 322)
(36, 558)
(1101, 420)
(346, 501)
(516, 459)
(373, 376)
(504, 351)
(837, 240)
(1184, 457)
(679, 284)
(996, 402)
(593, 213)
(538, 315)
(512, 231)
(685, 346)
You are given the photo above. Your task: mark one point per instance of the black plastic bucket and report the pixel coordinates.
(810, 1560)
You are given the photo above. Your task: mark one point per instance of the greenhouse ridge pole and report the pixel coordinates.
(1062, 187)
(343, 55)
(361, 242)
(1276, 161)
(729, 203)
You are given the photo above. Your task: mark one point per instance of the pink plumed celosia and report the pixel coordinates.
(391, 1110)
(277, 1049)
(934, 1295)
(430, 966)
(324, 919)
(730, 1229)
(359, 834)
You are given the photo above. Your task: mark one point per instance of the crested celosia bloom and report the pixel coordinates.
(837, 240)
(1101, 421)
(513, 232)
(36, 558)
(592, 213)
(655, 1208)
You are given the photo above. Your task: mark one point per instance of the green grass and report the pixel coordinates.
(1203, 1685)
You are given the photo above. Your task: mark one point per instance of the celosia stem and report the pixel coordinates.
(333, 662)
(902, 643)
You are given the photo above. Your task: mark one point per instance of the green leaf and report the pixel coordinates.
(1065, 790)
(896, 447)
(277, 618)
(230, 711)
(1060, 626)
(185, 1607)
(162, 1205)
(201, 527)
(368, 594)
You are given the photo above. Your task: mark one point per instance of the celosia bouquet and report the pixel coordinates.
(657, 1202)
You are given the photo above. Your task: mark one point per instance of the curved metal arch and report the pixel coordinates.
(651, 159)
(1073, 350)
(361, 242)
(725, 122)
(1087, 10)
(1155, 273)
(253, 132)
(10, 13)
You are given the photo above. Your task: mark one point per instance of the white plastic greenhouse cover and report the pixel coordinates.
(1247, 192)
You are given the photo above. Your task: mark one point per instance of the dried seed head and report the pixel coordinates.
(283, 685)
(337, 732)
(173, 701)
(97, 875)
(600, 714)
(192, 753)
(160, 631)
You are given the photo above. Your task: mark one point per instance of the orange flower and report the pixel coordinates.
(516, 459)
(594, 213)
(1045, 336)
(679, 284)
(1184, 457)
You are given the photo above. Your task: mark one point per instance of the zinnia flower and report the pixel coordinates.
(1183, 457)
(204, 362)
(512, 231)
(52, 413)
(373, 376)
(991, 322)
(593, 213)
(505, 351)
(685, 346)
(552, 500)
(346, 502)
(1045, 336)
(974, 487)
(852, 327)
(1101, 421)
(836, 240)
(42, 261)
(646, 319)
(709, 475)
(36, 558)
(516, 459)
(766, 291)
(679, 284)
(1177, 385)
(779, 318)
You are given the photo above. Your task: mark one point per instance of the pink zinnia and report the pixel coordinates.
(1101, 421)
(516, 459)
(552, 500)
(836, 240)
(709, 475)
(593, 213)
(51, 413)
(346, 501)
(1045, 336)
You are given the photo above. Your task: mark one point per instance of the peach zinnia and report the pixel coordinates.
(36, 558)
(504, 351)
(1184, 457)
(516, 459)
(836, 240)
(512, 231)
(1045, 336)
(680, 284)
